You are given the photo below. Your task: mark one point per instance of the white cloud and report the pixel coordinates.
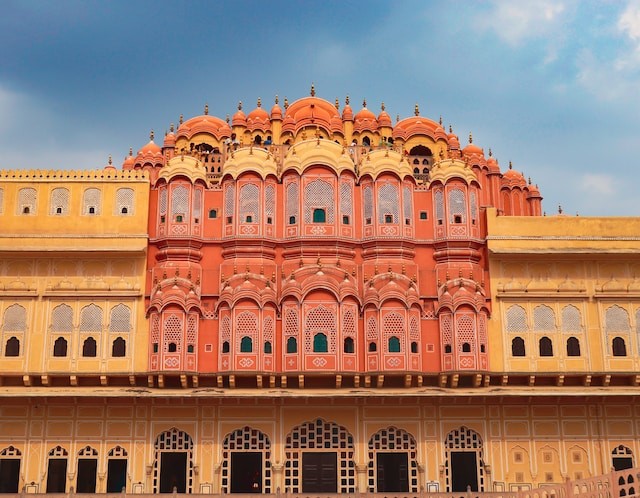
(629, 21)
(599, 184)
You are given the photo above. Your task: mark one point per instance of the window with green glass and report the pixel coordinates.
(319, 215)
(320, 343)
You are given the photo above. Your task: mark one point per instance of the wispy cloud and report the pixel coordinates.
(597, 183)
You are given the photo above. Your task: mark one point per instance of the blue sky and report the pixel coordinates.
(551, 85)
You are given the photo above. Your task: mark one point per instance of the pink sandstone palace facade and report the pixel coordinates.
(310, 299)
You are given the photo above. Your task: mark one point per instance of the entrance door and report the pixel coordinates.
(320, 472)
(392, 471)
(116, 475)
(246, 472)
(57, 475)
(173, 471)
(9, 475)
(87, 468)
(464, 470)
(622, 463)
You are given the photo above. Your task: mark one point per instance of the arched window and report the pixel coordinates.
(320, 343)
(619, 347)
(120, 320)
(573, 346)
(124, 201)
(292, 345)
(12, 347)
(394, 344)
(466, 347)
(388, 203)
(91, 201)
(457, 206)
(517, 346)
(26, 201)
(119, 348)
(414, 347)
(366, 141)
(59, 203)
(372, 347)
(267, 347)
(225, 347)
(173, 347)
(319, 216)
(546, 346)
(89, 347)
(348, 345)
(246, 345)
(250, 203)
(319, 196)
(60, 347)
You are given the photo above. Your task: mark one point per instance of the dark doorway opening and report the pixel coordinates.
(392, 472)
(57, 475)
(320, 472)
(246, 472)
(622, 463)
(116, 475)
(87, 468)
(464, 471)
(9, 475)
(173, 472)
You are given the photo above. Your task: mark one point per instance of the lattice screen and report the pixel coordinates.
(242, 440)
(438, 200)
(571, 321)
(249, 203)
(58, 451)
(544, 319)
(319, 435)
(516, 319)
(91, 318)
(293, 201)
(464, 439)
(291, 322)
(319, 194)
(192, 329)
(197, 202)
(616, 319)
(155, 328)
(348, 322)
(173, 440)
(482, 328)
(59, 201)
(466, 331)
(180, 201)
(246, 326)
(367, 195)
(456, 205)
(62, 319)
(446, 328)
(393, 326)
(10, 451)
(473, 204)
(320, 320)
(270, 202)
(268, 330)
(120, 320)
(172, 332)
(393, 440)
(388, 202)
(346, 199)
(88, 451)
(414, 329)
(118, 451)
(406, 200)
(26, 199)
(15, 319)
(163, 201)
(124, 201)
(91, 199)
(372, 329)
(229, 200)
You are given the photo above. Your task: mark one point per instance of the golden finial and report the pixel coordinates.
(276, 99)
(440, 120)
(240, 105)
(131, 151)
(181, 120)
(416, 110)
(171, 128)
(259, 102)
(364, 103)
(206, 109)
(228, 119)
(529, 180)
(151, 135)
(450, 129)
(490, 153)
(337, 104)
(510, 165)
(313, 90)
(286, 103)
(397, 118)
(346, 100)
(470, 138)
(382, 106)
(110, 160)
(559, 209)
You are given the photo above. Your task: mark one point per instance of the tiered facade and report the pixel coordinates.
(310, 300)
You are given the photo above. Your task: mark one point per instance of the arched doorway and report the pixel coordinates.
(10, 470)
(392, 462)
(622, 458)
(464, 463)
(173, 463)
(319, 459)
(246, 464)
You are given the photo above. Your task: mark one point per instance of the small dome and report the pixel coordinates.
(365, 119)
(383, 118)
(347, 112)
(239, 119)
(453, 141)
(205, 123)
(418, 125)
(110, 166)
(169, 138)
(129, 161)
(150, 149)
(472, 148)
(492, 164)
(258, 118)
(513, 177)
(310, 111)
(276, 111)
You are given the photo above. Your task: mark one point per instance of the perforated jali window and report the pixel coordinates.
(268, 329)
(62, 319)
(172, 332)
(59, 201)
(292, 323)
(293, 201)
(438, 200)
(571, 321)
(270, 201)
(26, 201)
(320, 320)
(414, 329)
(169, 441)
(246, 326)
(456, 205)
(473, 204)
(249, 203)
(348, 322)
(15, 319)
(242, 440)
(466, 332)
(388, 202)
(10, 451)
(120, 320)
(616, 319)
(91, 201)
(91, 318)
(124, 201)
(163, 201)
(446, 328)
(393, 326)
(319, 435)
(180, 201)
(406, 202)
(467, 440)
(544, 319)
(346, 199)
(393, 440)
(372, 329)
(516, 319)
(367, 195)
(482, 328)
(155, 328)
(319, 195)
(192, 329)
(225, 329)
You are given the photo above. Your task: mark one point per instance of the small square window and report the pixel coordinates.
(368, 221)
(269, 220)
(439, 222)
(208, 348)
(58, 210)
(407, 221)
(213, 213)
(424, 215)
(249, 219)
(196, 220)
(292, 220)
(457, 218)
(162, 219)
(229, 219)
(345, 220)
(155, 347)
(179, 218)
(388, 218)
(92, 210)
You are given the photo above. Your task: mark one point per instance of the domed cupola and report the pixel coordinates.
(169, 138)
(150, 153)
(129, 161)
(492, 163)
(452, 139)
(513, 178)
(472, 149)
(383, 118)
(210, 125)
(110, 168)
(347, 112)
(276, 111)
(258, 119)
(239, 118)
(365, 120)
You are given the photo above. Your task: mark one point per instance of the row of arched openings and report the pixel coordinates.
(545, 347)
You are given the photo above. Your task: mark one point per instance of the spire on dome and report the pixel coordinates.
(529, 180)
(313, 90)
(151, 135)
(490, 153)
(470, 138)
(416, 110)
(286, 103)
(559, 209)
(181, 120)
(171, 128)
(440, 120)
(510, 165)
(382, 106)
(206, 109)
(131, 151)
(337, 104)
(397, 118)
(450, 129)
(110, 160)
(346, 100)
(276, 99)
(259, 102)
(227, 119)
(364, 103)
(240, 105)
